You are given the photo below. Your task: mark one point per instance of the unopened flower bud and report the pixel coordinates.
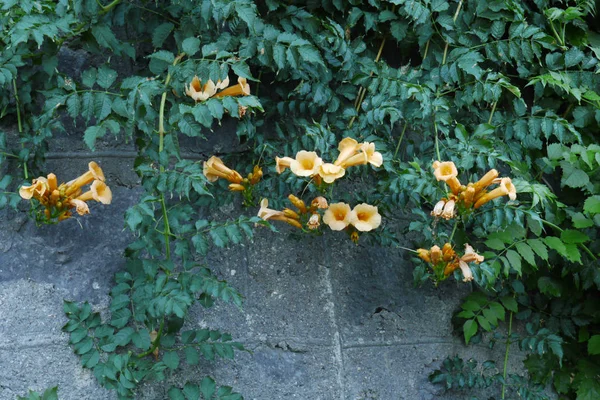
(354, 237)
(290, 213)
(423, 254)
(298, 203)
(435, 254)
(294, 222)
(236, 187)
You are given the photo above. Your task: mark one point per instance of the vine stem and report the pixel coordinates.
(506, 354)
(19, 123)
(437, 142)
(454, 230)
(161, 145)
(583, 246)
(492, 113)
(400, 140)
(155, 343)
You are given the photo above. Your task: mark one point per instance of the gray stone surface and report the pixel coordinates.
(324, 319)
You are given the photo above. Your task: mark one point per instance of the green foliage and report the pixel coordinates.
(458, 374)
(207, 389)
(507, 85)
(49, 394)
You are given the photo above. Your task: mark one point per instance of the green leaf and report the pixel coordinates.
(207, 386)
(556, 244)
(175, 394)
(141, 339)
(572, 176)
(515, 260)
(88, 77)
(469, 329)
(92, 134)
(192, 391)
(191, 356)
(106, 77)
(526, 252)
(549, 286)
(90, 360)
(510, 303)
(538, 246)
(160, 34)
(592, 205)
(594, 345)
(573, 236)
(495, 244)
(190, 46)
(171, 360)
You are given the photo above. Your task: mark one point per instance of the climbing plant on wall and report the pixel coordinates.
(495, 98)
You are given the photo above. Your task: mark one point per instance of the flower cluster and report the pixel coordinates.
(200, 92)
(309, 164)
(308, 216)
(58, 200)
(473, 195)
(445, 261)
(214, 169)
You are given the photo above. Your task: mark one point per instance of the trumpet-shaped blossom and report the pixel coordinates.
(241, 89)
(373, 157)
(347, 147)
(471, 256)
(99, 191)
(447, 172)
(506, 188)
(80, 206)
(338, 216)
(365, 217)
(307, 163)
(37, 189)
(269, 214)
(485, 180)
(198, 92)
(94, 173)
(214, 168)
(282, 163)
(466, 271)
(330, 172)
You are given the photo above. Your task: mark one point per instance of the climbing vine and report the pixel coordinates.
(380, 108)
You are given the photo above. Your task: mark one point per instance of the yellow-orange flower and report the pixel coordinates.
(338, 216)
(269, 214)
(99, 192)
(330, 172)
(241, 89)
(447, 172)
(37, 189)
(485, 180)
(466, 271)
(365, 217)
(282, 163)
(506, 188)
(436, 254)
(52, 182)
(94, 173)
(319, 202)
(307, 163)
(214, 169)
(471, 256)
(347, 147)
(373, 157)
(80, 206)
(222, 84)
(424, 255)
(298, 203)
(198, 92)
(236, 187)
